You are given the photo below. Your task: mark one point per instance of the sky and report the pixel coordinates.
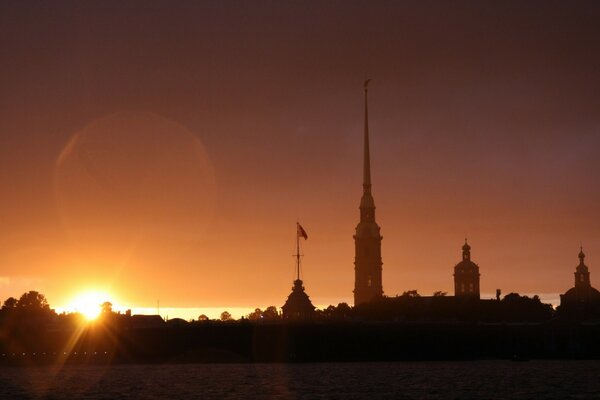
(165, 150)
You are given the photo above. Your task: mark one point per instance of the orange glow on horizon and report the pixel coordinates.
(176, 173)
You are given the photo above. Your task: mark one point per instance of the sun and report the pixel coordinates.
(88, 304)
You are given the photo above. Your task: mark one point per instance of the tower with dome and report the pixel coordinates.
(582, 297)
(466, 275)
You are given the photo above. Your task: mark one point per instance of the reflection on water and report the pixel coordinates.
(430, 380)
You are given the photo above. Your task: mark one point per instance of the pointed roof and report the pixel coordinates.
(367, 202)
(298, 304)
(367, 156)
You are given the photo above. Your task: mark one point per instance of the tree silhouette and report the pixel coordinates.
(10, 304)
(411, 293)
(202, 318)
(33, 300)
(439, 293)
(255, 315)
(341, 312)
(106, 307)
(226, 316)
(271, 313)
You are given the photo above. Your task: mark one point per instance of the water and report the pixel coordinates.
(406, 380)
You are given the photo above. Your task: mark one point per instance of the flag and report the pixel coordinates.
(302, 232)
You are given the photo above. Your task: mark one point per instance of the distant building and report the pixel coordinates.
(367, 240)
(142, 321)
(298, 305)
(583, 296)
(466, 275)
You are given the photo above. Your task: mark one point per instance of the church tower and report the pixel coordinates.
(367, 240)
(583, 298)
(466, 275)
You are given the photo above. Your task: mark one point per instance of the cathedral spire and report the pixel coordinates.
(367, 158)
(367, 204)
(367, 259)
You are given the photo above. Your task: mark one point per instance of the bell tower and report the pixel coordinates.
(466, 275)
(367, 240)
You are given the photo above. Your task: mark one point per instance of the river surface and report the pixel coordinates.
(402, 380)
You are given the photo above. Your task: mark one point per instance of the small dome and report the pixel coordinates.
(581, 254)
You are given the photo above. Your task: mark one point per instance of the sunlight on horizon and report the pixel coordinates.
(88, 304)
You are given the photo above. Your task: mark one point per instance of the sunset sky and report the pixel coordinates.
(165, 150)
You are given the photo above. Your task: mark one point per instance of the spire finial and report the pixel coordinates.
(581, 254)
(466, 251)
(367, 158)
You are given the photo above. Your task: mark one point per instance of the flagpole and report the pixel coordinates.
(298, 250)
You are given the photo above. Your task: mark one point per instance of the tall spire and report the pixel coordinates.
(367, 158)
(367, 240)
(367, 204)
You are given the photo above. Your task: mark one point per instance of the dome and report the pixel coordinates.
(466, 266)
(578, 294)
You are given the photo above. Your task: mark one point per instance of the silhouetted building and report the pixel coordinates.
(466, 275)
(367, 240)
(583, 295)
(298, 305)
(141, 321)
